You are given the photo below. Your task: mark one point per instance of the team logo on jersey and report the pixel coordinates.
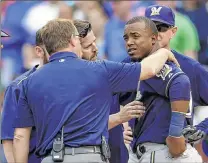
(165, 71)
(155, 11)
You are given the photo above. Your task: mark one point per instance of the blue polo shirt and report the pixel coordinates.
(8, 114)
(75, 93)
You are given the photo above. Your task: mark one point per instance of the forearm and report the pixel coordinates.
(151, 65)
(114, 120)
(8, 150)
(21, 144)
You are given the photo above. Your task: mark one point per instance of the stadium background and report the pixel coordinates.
(21, 20)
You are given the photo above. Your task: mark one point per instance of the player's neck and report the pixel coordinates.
(167, 47)
(155, 48)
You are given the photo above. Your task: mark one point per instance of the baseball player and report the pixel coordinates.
(73, 97)
(10, 105)
(164, 18)
(158, 134)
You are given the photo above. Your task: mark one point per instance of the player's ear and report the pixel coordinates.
(39, 51)
(174, 30)
(154, 39)
(73, 41)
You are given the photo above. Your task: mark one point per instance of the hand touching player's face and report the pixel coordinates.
(89, 48)
(139, 40)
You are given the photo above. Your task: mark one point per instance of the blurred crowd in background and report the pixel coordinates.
(21, 20)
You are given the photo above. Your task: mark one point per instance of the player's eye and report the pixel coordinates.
(163, 27)
(125, 38)
(136, 36)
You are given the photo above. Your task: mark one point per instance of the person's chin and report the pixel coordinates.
(135, 57)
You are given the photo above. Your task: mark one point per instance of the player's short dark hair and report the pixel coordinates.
(148, 23)
(83, 27)
(38, 38)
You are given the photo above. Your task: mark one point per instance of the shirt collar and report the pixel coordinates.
(60, 55)
(34, 68)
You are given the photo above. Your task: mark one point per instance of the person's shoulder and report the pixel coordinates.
(127, 60)
(24, 76)
(181, 57)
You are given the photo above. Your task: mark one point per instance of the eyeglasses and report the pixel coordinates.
(85, 31)
(163, 27)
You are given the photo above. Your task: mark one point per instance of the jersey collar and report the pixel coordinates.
(61, 55)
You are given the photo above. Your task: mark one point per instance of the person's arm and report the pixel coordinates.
(124, 77)
(7, 130)
(179, 93)
(132, 110)
(152, 65)
(8, 150)
(23, 123)
(21, 144)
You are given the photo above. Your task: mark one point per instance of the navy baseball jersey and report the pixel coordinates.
(171, 84)
(75, 93)
(8, 114)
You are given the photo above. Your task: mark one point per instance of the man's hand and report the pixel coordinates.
(176, 145)
(128, 135)
(172, 58)
(192, 135)
(132, 110)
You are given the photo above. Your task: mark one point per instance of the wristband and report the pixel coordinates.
(176, 124)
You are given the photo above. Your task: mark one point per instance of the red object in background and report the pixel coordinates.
(4, 6)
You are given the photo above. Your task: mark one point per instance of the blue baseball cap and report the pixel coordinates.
(3, 34)
(161, 14)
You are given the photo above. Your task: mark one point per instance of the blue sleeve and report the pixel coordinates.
(202, 82)
(180, 88)
(203, 126)
(24, 116)
(8, 116)
(167, 82)
(123, 77)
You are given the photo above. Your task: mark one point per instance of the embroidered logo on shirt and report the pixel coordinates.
(164, 72)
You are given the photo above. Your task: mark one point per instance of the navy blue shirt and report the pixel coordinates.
(171, 84)
(8, 114)
(75, 93)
